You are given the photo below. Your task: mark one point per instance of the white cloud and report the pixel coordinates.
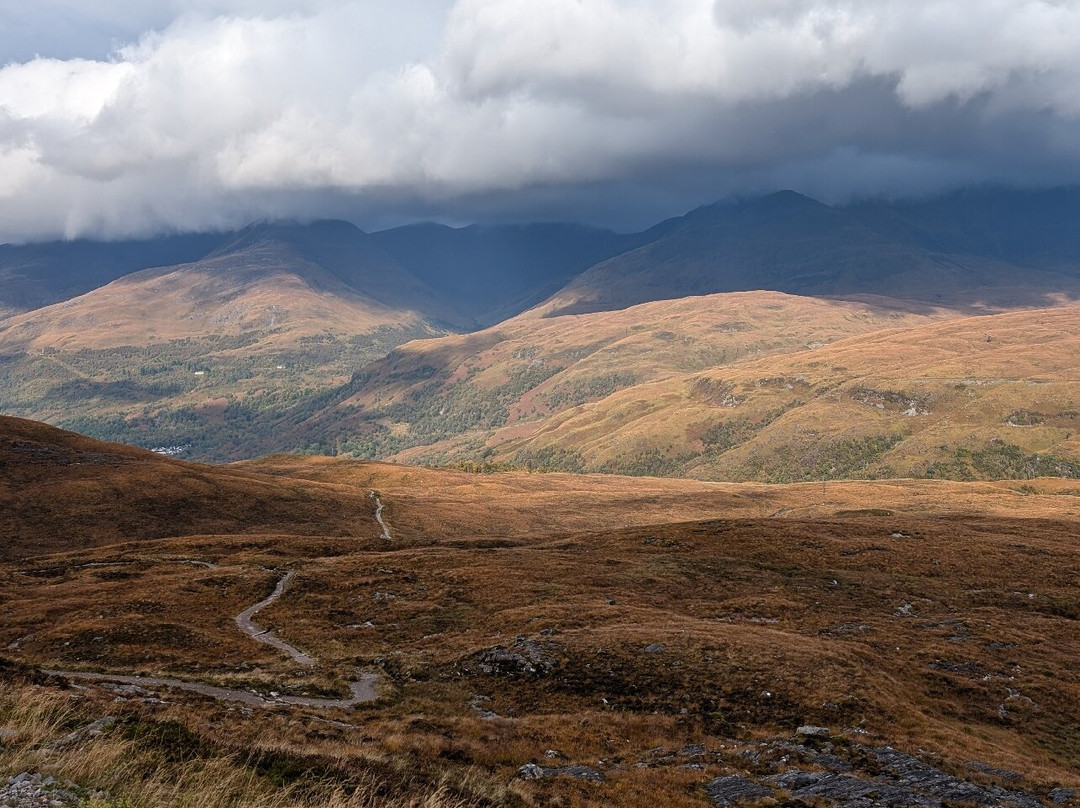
(226, 109)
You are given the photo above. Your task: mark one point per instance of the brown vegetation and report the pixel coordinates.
(991, 397)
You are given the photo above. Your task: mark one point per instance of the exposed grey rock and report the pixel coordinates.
(916, 776)
(478, 703)
(902, 781)
(985, 768)
(1062, 795)
(733, 789)
(31, 790)
(796, 780)
(693, 750)
(530, 771)
(523, 657)
(842, 788)
(809, 731)
(833, 763)
(654, 648)
(577, 772)
(92, 730)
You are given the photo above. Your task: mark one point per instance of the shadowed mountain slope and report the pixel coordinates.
(498, 271)
(950, 252)
(35, 275)
(273, 282)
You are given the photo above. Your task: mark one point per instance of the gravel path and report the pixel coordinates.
(362, 690)
(378, 517)
(265, 635)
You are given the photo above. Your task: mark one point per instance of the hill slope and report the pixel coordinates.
(687, 627)
(276, 314)
(978, 398)
(61, 492)
(447, 396)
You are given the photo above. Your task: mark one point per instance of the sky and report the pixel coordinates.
(124, 118)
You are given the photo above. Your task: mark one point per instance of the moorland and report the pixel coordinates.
(535, 639)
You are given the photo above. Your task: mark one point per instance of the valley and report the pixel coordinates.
(494, 404)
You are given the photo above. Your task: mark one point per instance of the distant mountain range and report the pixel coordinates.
(995, 247)
(469, 277)
(282, 336)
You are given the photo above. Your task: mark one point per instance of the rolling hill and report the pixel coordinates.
(447, 396)
(990, 397)
(275, 314)
(63, 492)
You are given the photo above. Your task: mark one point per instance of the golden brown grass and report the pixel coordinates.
(936, 388)
(144, 762)
(63, 491)
(267, 296)
(588, 353)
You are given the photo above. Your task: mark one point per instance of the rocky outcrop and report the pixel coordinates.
(30, 790)
(524, 657)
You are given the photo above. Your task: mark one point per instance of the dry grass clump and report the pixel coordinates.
(140, 762)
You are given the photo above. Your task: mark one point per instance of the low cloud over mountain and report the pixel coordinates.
(189, 114)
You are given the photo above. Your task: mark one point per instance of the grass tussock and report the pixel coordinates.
(142, 763)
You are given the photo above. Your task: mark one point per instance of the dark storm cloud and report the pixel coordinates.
(613, 111)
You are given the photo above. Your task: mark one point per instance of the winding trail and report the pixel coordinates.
(378, 517)
(362, 690)
(265, 635)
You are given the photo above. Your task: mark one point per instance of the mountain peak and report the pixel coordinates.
(293, 233)
(788, 199)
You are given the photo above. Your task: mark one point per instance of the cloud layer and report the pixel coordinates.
(613, 110)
